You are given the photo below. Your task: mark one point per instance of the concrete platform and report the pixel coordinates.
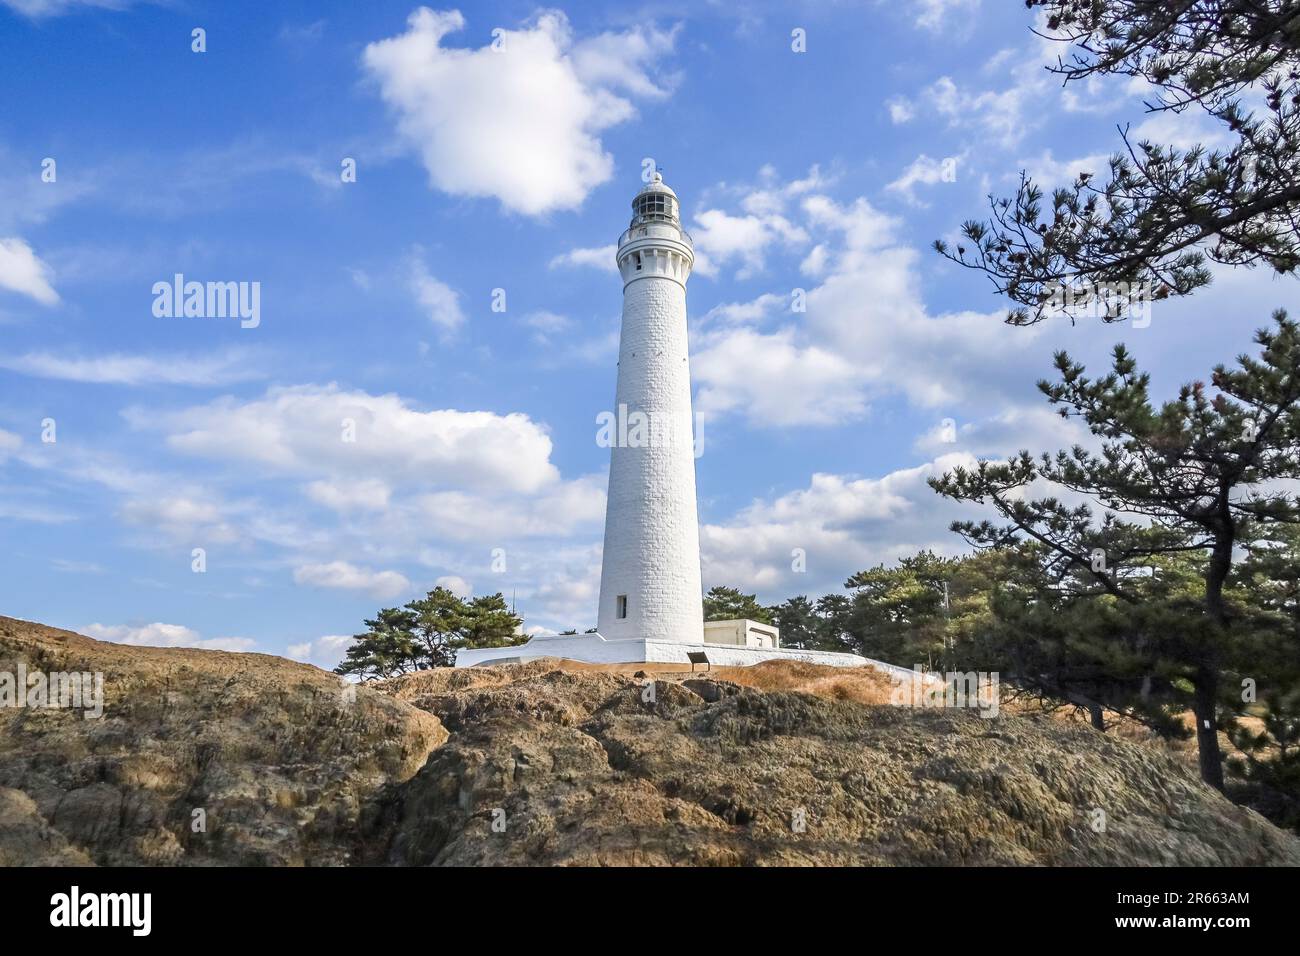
(595, 649)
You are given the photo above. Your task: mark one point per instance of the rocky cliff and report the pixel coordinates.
(539, 764)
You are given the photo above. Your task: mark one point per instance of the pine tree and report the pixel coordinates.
(386, 649)
(729, 604)
(428, 632)
(799, 624)
(1145, 228)
(1189, 477)
(898, 614)
(1268, 736)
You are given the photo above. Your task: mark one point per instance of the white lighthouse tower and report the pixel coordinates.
(651, 610)
(650, 574)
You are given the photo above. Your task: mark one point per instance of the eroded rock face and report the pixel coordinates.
(275, 756)
(532, 764)
(590, 768)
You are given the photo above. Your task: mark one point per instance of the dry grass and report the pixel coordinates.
(863, 685)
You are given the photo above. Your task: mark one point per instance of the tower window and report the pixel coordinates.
(620, 607)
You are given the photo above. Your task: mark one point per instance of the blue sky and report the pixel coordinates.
(513, 168)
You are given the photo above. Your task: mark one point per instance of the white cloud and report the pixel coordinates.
(440, 302)
(936, 14)
(842, 524)
(38, 9)
(901, 110)
(192, 517)
(1047, 171)
(118, 369)
(775, 382)
(344, 576)
(547, 323)
(22, 271)
(455, 584)
(300, 430)
(159, 634)
(1001, 114)
(925, 171)
(745, 313)
(865, 332)
(520, 118)
(472, 516)
(1181, 130)
(325, 652)
(362, 494)
(1034, 428)
(65, 566)
(600, 257)
(721, 237)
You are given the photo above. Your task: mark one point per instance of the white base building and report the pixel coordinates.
(725, 651)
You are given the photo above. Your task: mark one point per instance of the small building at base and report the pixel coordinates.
(737, 643)
(742, 632)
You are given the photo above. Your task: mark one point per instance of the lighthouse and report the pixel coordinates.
(651, 610)
(650, 570)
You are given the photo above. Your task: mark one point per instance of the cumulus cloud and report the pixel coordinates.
(455, 584)
(865, 332)
(305, 430)
(181, 517)
(325, 652)
(22, 271)
(471, 516)
(738, 367)
(840, 523)
(1034, 428)
(721, 237)
(159, 634)
(362, 494)
(519, 119)
(344, 576)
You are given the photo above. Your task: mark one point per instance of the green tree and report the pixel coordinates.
(799, 623)
(898, 614)
(728, 604)
(1268, 739)
(1191, 474)
(491, 623)
(441, 621)
(834, 612)
(428, 632)
(386, 649)
(1150, 223)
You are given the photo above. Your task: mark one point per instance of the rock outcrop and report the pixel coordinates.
(541, 764)
(200, 757)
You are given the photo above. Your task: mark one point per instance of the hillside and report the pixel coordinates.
(578, 766)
